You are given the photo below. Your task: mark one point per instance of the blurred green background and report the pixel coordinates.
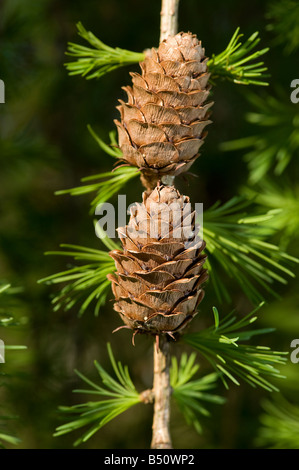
(45, 146)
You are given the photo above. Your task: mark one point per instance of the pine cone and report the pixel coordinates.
(158, 284)
(162, 124)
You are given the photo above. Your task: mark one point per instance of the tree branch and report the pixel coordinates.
(162, 391)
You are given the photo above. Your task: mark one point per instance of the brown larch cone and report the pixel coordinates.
(158, 283)
(162, 124)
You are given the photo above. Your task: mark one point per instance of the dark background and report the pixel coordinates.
(45, 146)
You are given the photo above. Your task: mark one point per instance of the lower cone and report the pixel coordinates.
(158, 283)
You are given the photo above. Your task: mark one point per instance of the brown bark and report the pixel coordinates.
(162, 391)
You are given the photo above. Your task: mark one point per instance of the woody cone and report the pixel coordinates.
(163, 122)
(158, 283)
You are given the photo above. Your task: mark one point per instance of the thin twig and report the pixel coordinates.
(161, 390)
(147, 396)
(169, 27)
(169, 18)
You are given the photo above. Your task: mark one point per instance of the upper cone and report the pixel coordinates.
(163, 122)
